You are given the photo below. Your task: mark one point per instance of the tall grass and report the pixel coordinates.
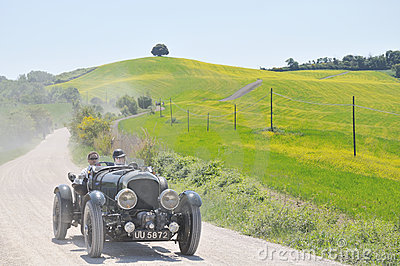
(239, 202)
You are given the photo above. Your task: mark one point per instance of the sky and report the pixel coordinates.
(59, 36)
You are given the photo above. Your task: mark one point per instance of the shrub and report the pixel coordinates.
(92, 127)
(102, 143)
(127, 105)
(147, 151)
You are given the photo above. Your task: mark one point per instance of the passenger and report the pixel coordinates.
(119, 157)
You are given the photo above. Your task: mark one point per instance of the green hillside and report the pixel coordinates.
(311, 155)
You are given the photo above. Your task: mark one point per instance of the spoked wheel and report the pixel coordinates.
(93, 229)
(189, 235)
(59, 228)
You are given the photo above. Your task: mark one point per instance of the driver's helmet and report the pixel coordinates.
(119, 157)
(118, 153)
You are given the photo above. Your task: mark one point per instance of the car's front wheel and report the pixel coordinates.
(59, 211)
(190, 231)
(93, 229)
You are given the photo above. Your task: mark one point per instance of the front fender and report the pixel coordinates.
(66, 202)
(97, 197)
(192, 197)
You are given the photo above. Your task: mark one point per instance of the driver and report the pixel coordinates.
(119, 157)
(93, 160)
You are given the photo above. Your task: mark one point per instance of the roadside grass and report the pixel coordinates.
(241, 203)
(11, 154)
(61, 113)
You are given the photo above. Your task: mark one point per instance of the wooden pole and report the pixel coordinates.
(160, 107)
(208, 122)
(354, 128)
(234, 113)
(170, 107)
(188, 118)
(272, 127)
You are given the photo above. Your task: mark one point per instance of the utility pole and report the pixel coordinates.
(160, 107)
(235, 117)
(272, 127)
(188, 118)
(170, 107)
(354, 128)
(208, 122)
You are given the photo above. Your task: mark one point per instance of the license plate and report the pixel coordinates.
(151, 235)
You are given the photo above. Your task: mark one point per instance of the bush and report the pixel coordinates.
(147, 151)
(92, 127)
(102, 143)
(127, 105)
(144, 101)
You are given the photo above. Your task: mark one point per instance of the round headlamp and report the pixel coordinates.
(169, 199)
(126, 199)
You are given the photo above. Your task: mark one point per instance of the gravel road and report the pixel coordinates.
(246, 89)
(26, 236)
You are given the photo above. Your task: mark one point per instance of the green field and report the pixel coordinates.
(311, 156)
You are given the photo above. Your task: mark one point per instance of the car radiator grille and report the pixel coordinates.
(147, 192)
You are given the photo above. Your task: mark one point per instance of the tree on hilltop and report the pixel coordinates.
(160, 50)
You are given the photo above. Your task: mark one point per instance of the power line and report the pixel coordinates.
(243, 109)
(333, 104)
(386, 112)
(289, 98)
(329, 104)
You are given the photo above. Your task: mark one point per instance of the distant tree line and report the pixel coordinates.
(30, 89)
(389, 60)
(21, 116)
(19, 124)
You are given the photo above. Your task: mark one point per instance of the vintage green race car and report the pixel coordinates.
(123, 203)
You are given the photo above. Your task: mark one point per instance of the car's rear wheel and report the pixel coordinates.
(59, 211)
(190, 231)
(93, 229)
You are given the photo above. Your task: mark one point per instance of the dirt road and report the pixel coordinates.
(26, 237)
(246, 89)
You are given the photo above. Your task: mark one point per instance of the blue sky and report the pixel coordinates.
(58, 36)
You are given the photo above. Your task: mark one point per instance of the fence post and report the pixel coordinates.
(188, 118)
(208, 122)
(160, 107)
(170, 107)
(235, 116)
(354, 128)
(272, 128)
